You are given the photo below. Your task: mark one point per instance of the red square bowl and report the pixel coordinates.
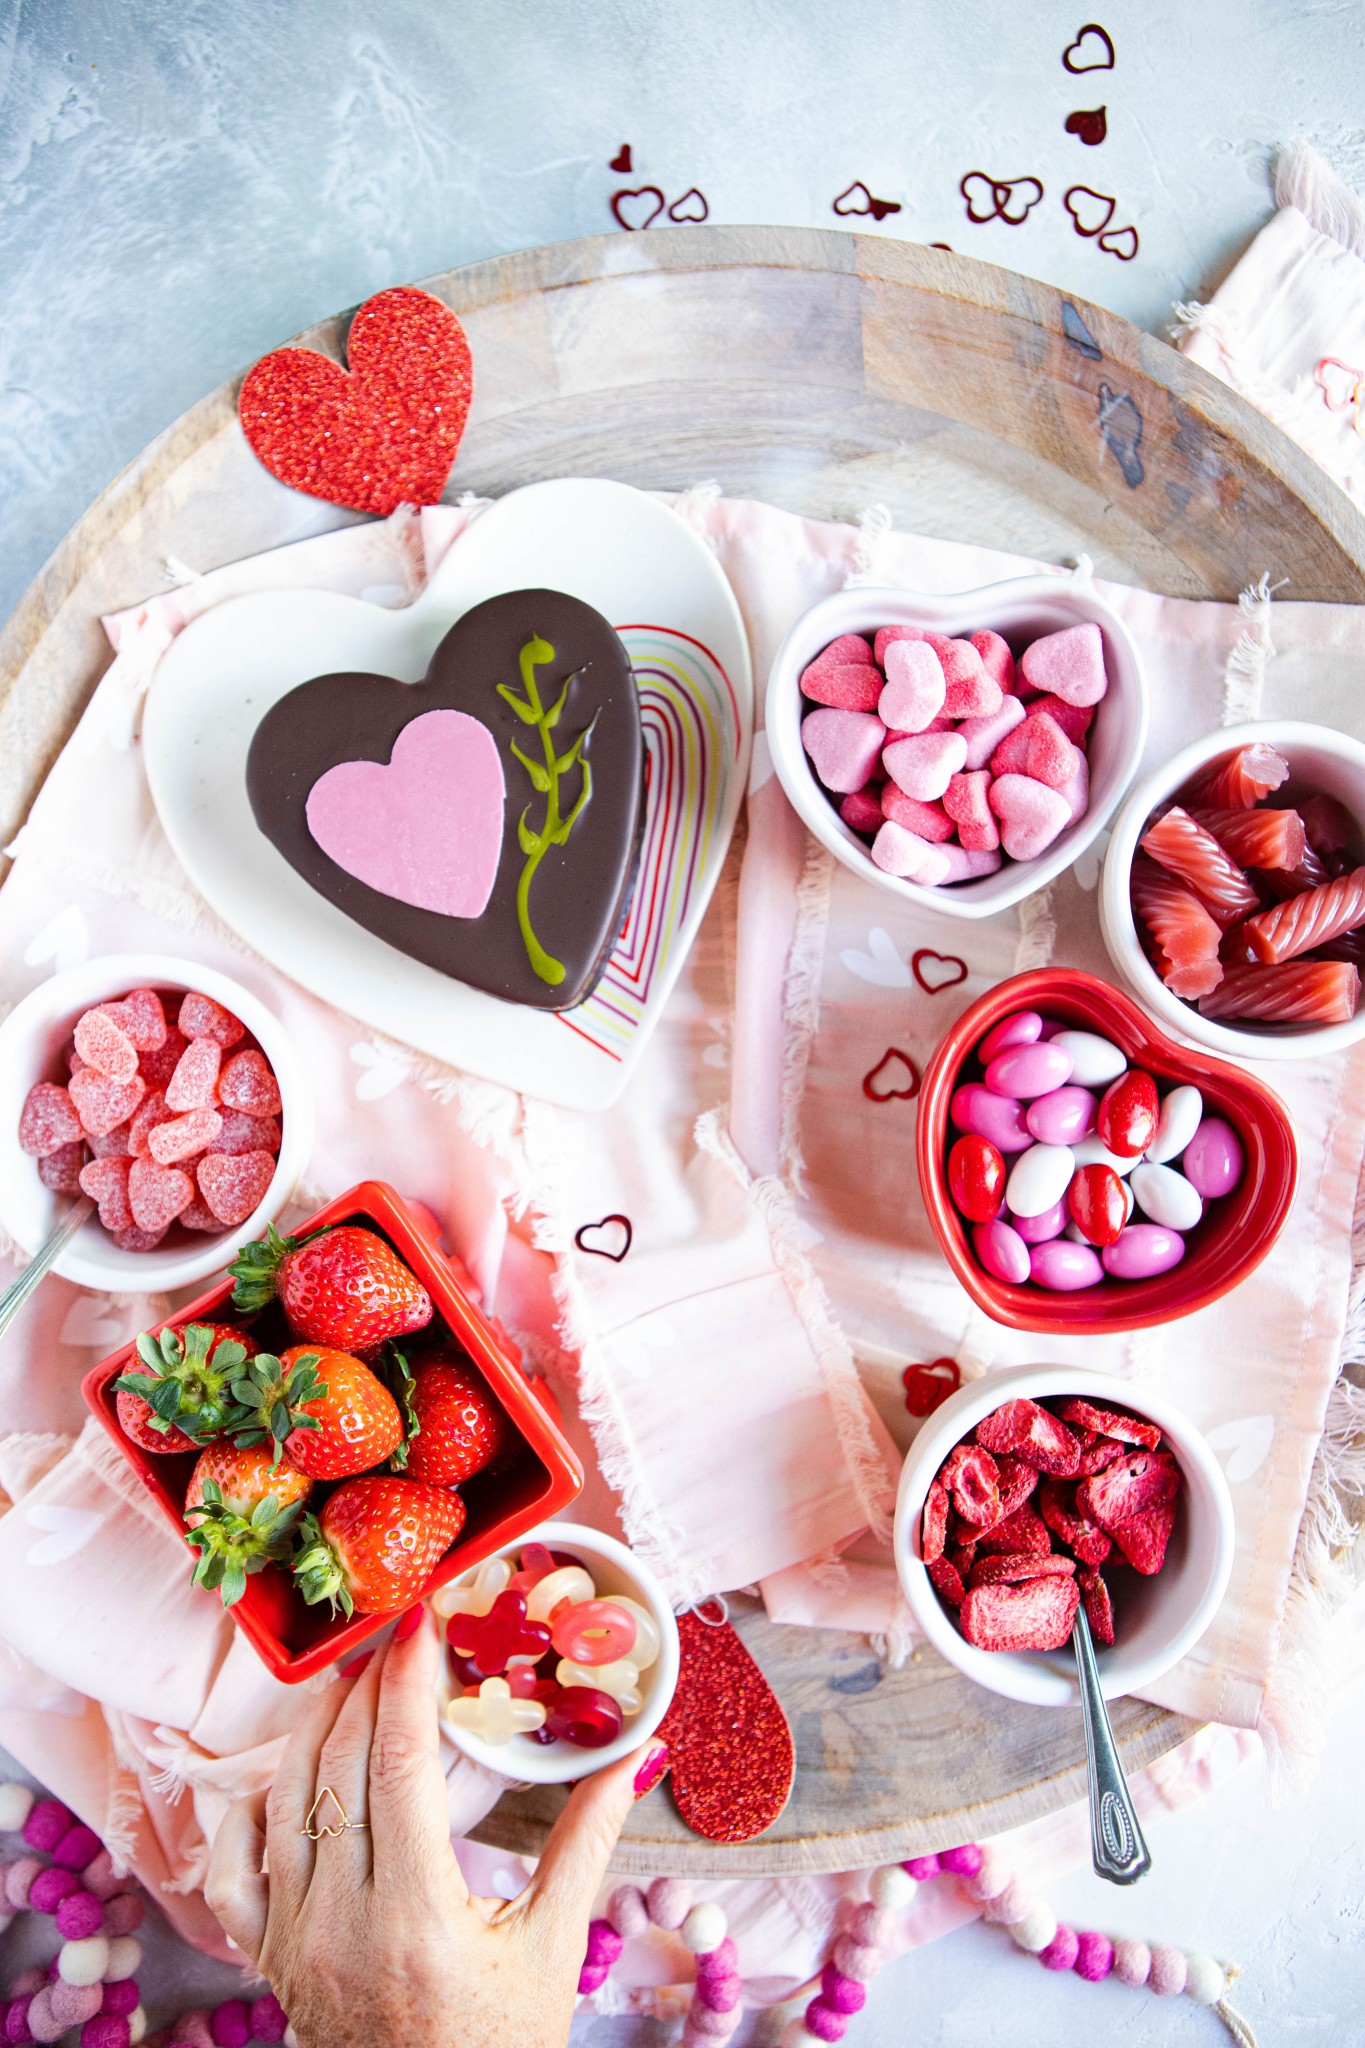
(537, 1482)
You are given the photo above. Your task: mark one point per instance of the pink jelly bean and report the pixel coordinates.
(997, 1117)
(1142, 1251)
(1063, 1116)
(1063, 1266)
(593, 1632)
(1023, 1071)
(1024, 1027)
(1213, 1159)
(1041, 1229)
(1002, 1251)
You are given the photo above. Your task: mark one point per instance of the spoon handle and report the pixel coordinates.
(1116, 1845)
(14, 1296)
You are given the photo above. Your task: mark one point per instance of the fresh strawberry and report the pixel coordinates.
(240, 1515)
(326, 1409)
(183, 1384)
(376, 1543)
(457, 1426)
(343, 1287)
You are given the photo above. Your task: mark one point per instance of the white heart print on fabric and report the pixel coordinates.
(92, 1323)
(1247, 1444)
(881, 964)
(63, 943)
(70, 1529)
(383, 1071)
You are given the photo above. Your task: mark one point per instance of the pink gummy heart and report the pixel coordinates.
(1038, 748)
(971, 693)
(887, 636)
(61, 1170)
(1076, 793)
(194, 1084)
(1069, 664)
(102, 1104)
(967, 865)
(996, 658)
(425, 827)
(967, 802)
(930, 821)
(898, 852)
(107, 1181)
(183, 1137)
(861, 811)
(983, 735)
(156, 1067)
(242, 1133)
(141, 1016)
(844, 746)
(925, 763)
(1031, 815)
(103, 1046)
(150, 1112)
(201, 1017)
(247, 1083)
(1074, 719)
(915, 686)
(156, 1194)
(233, 1184)
(845, 685)
(48, 1120)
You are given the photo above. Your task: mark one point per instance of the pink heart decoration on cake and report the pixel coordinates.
(425, 828)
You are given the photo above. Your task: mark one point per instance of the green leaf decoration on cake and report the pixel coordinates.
(545, 775)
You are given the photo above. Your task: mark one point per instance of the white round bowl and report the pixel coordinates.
(1020, 610)
(1157, 1620)
(32, 1039)
(1320, 759)
(613, 1569)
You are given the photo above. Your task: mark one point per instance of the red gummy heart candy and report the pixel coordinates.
(241, 1133)
(107, 1181)
(383, 434)
(102, 1045)
(141, 1016)
(61, 1170)
(235, 1184)
(156, 1194)
(246, 1083)
(156, 1067)
(49, 1119)
(194, 1084)
(102, 1104)
(201, 1017)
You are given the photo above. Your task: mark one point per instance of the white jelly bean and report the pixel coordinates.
(1075, 1234)
(1002, 1251)
(1093, 1151)
(1064, 1267)
(1095, 1061)
(1167, 1197)
(1039, 1178)
(1179, 1120)
(1129, 1203)
(1142, 1251)
(1025, 1027)
(1063, 1116)
(1023, 1071)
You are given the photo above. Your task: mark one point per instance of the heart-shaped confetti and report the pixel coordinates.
(1090, 125)
(383, 432)
(1093, 50)
(636, 210)
(1339, 383)
(730, 1750)
(926, 1386)
(936, 971)
(895, 1078)
(622, 161)
(610, 1239)
(691, 206)
(856, 199)
(1120, 242)
(1008, 199)
(1090, 210)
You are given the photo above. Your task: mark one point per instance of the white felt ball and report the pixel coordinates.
(1206, 1981)
(16, 1804)
(84, 1962)
(892, 1888)
(137, 2026)
(125, 1953)
(1035, 1932)
(704, 1928)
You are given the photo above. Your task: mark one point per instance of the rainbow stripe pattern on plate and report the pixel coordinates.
(693, 738)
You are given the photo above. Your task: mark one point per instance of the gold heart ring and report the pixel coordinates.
(316, 1833)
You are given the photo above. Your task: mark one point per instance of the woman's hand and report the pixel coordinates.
(371, 1939)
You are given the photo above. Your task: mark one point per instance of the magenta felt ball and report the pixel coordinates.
(592, 1977)
(79, 1914)
(719, 1994)
(46, 1825)
(268, 2018)
(962, 1862)
(17, 2030)
(845, 1994)
(721, 1961)
(98, 1877)
(231, 2024)
(921, 1867)
(49, 1888)
(824, 2022)
(79, 1845)
(1094, 1957)
(104, 2031)
(1061, 1951)
(124, 1997)
(604, 1943)
(124, 1913)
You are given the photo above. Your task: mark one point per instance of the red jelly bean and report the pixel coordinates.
(976, 1178)
(1097, 1203)
(1128, 1114)
(584, 1716)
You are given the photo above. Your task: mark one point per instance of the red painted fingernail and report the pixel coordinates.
(409, 1623)
(356, 1665)
(651, 1770)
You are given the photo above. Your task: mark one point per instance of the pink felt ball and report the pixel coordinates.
(49, 1888)
(824, 2022)
(17, 2030)
(1094, 1957)
(992, 1878)
(124, 1997)
(962, 1862)
(230, 2024)
(78, 1915)
(19, 1877)
(98, 1877)
(711, 2026)
(1166, 1976)
(721, 1961)
(627, 1911)
(1132, 1962)
(1012, 1905)
(268, 2018)
(78, 1846)
(46, 1825)
(592, 1977)
(921, 1867)
(74, 2004)
(845, 1994)
(670, 1902)
(1061, 1951)
(44, 2025)
(123, 1914)
(105, 2031)
(720, 1994)
(852, 1960)
(193, 2028)
(869, 1925)
(28, 1981)
(604, 1943)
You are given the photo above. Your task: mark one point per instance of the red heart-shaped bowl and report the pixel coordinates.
(1234, 1234)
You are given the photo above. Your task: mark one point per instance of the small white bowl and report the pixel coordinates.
(1320, 759)
(613, 1569)
(1157, 1620)
(32, 1039)
(1020, 610)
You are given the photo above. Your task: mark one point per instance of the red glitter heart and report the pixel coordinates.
(927, 1385)
(383, 433)
(730, 1749)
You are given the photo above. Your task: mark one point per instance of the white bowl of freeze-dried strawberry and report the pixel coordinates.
(1036, 1491)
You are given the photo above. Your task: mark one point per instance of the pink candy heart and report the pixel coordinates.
(996, 658)
(1069, 664)
(967, 865)
(924, 764)
(1031, 815)
(983, 735)
(971, 693)
(844, 746)
(915, 686)
(930, 821)
(1038, 748)
(898, 852)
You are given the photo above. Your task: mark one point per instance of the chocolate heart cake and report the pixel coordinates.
(487, 820)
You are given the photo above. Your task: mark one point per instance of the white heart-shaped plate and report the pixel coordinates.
(660, 586)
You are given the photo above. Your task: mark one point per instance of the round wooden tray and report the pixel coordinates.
(823, 372)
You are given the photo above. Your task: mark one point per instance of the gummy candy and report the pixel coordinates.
(247, 1083)
(140, 1016)
(103, 1104)
(474, 1595)
(593, 1632)
(201, 1017)
(183, 1137)
(490, 1641)
(197, 1215)
(61, 1170)
(620, 1678)
(494, 1715)
(233, 1184)
(115, 1144)
(48, 1120)
(150, 1111)
(586, 1716)
(107, 1181)
(158, 1065)
(241, 1133)
(569, 1583)
(648, 1641)
(194, 1084)
(103, 1046)
(156, 1194)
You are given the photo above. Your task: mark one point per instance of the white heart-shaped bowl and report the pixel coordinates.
(1157, 1620)
(1320, 760)
(32, 1038)
(613, 1569)
(1020, 610)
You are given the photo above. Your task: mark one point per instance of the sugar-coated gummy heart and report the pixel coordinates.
(133, 1239)
(157, 1194)
(1031, 815)
(1075, 720)
(194, 1084)
(1165, 1196)
(1181, 1110)
(996, 658)
(1034, 1616)
(156, 1067)
(247, 1083)
(1000, 1118)
(887, 636)
(1213, 1158)
(1143, 1251)
(103, 1046)
(861, 811)
(915, 687)
(234, 1184)
(1095, 1061)
(107, 1181)
(965, 864)
(60, 1171)
(970, 692)
(102, 1104)
(1068, 664)
(966, 802)
(985, 735)
(844, 746)
(1075, 794)
(843, 685)
(925, 763)
(927, 821)
(141, 1016)
(1063, 1116)
(241, 1133)
(1002, 1251)
(1064, 1268)
(1023, 1027)
(150, 1112)
(49, 1119)
(1025, 1071)
(197, 1215)
(898, 852)
(201, 1017)
(849, 647)
(1038, 747)
(183, 1137)
(113, 1144)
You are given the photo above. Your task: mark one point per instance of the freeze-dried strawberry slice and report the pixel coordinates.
(1129, 1429)
(934, 1530)
(1130, 1486)
(1022, 1531)
(1143, 1538)
(1012, 1570)
(1098, 1452)
(1099, 1608)
(1034, 1616)
(1006, 1428)
(1022, 1426)
(961, 1556)
(1017, 1481)
(972, 1477)
(1084, 1538)
(946, 1580)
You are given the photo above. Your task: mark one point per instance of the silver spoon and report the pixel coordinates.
(14, 1296)
(1117, 1849)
